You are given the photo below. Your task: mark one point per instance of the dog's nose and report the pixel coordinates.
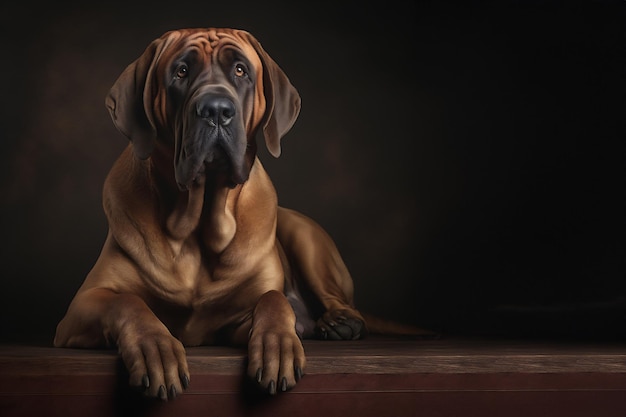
(216, 110)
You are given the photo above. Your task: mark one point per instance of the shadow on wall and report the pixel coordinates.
(466, 159)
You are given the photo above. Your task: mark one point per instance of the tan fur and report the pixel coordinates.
(191, 255)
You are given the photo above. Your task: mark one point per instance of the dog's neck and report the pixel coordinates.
(207, 207)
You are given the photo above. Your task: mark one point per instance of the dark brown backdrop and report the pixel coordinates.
(468, 160)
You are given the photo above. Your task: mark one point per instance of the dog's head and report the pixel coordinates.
(203, 94)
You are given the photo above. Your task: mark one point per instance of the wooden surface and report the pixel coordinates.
(373, 377)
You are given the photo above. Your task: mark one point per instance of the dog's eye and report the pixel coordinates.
(240, 70)
(182, 71)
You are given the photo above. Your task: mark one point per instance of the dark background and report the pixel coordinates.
(467, 159)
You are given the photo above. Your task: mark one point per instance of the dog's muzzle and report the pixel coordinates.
(213, 140)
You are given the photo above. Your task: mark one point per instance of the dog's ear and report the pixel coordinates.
(129, 100)
(282, 101)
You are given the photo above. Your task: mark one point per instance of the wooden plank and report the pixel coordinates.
(374, 377)
(351, 395)
(374, 355)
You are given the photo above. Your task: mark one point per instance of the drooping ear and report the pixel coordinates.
(129, 100)
(282, 101)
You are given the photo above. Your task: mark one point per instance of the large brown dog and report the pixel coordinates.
(198, 251)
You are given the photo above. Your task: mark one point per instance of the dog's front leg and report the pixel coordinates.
(276, 358)
(155, 359)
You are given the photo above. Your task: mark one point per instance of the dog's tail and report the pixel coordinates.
(377, 325)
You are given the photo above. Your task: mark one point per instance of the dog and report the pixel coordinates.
(198, 252)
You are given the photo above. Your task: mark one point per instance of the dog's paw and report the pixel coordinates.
(340, 325)
(276, 360)
(156, 362)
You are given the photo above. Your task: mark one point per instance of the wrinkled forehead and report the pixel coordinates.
(211, 43)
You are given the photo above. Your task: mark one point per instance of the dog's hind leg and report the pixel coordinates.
(316, 267)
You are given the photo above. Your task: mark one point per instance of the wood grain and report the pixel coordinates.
(373, 377)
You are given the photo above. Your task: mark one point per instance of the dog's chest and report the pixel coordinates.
(197, 279)
(203, 295)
